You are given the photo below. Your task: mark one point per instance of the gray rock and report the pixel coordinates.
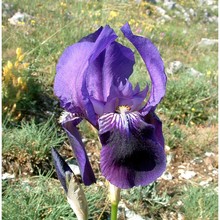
(130, 215)
(6, 176)
(163, 19)
(150, 1)
(207, 2)
(192, 12)
(174, 67)
(191, 71)
(207, 43)
(187, 174)
(180, 8)
(19, 17)
(169, 4)
(160, 10)
(167, 176)
(186, 17)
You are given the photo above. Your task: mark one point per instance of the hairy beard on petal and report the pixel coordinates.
(132, 143)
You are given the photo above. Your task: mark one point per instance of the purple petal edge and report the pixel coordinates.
(77, 145)
(61, 168)
(154, 64)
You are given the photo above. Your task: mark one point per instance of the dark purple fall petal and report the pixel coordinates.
(131, 155)
(77, 145)
(154, 64)
(152, 118)
(62, 168)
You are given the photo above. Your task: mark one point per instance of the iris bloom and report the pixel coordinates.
(92, 84)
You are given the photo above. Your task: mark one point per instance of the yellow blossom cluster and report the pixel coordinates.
(14, 83)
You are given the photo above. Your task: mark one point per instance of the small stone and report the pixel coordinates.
(169, 4)
(209, 154)
(84, 140)
(215, 172)
(167, 18)
(205, 182)
(169, 158)
(19, 17)
(174, 67)
(205, 42)
(192, 12)
(160, 10)
(181, 167)
(6, 176)
(207, 2)
(179, 203)
(72, 164)
(191, 71)
(180, 216)
(167, 176)
(180, 8)
(187, 174)
(196, 160)
(167, 148)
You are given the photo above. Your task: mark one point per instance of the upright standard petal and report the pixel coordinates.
(113, 66)
(70, 82)
(77, 145)
(131, 155)
(154, 64)
(69, 78)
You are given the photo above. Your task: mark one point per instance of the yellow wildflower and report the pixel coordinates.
(18, 52)
(16, 64)
(9, 65)
(113, 14)
(5, 70)
(131, 21)
(63, 4)
(193, 109)
(19, 80)
(208, 73)
(33, 22)
(21, 23)
(20, 58)
(25, 65)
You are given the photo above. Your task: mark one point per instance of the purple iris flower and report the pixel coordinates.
(92, 84)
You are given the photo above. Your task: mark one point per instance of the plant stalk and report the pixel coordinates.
(114, 194)
(114, 211)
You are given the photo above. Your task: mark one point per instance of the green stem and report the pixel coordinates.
(114, 210)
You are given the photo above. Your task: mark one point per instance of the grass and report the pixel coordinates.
(200, 203)
(188, 111)
(34, 138)
(41, 197)
(147, 201)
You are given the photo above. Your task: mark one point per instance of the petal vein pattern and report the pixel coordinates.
(110, 121)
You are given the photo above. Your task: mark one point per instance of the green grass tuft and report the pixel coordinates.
(200, 203)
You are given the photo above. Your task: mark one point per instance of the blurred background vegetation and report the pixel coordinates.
(31, 47)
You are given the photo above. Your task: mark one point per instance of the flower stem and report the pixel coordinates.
(114, 194)
(114, 210)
